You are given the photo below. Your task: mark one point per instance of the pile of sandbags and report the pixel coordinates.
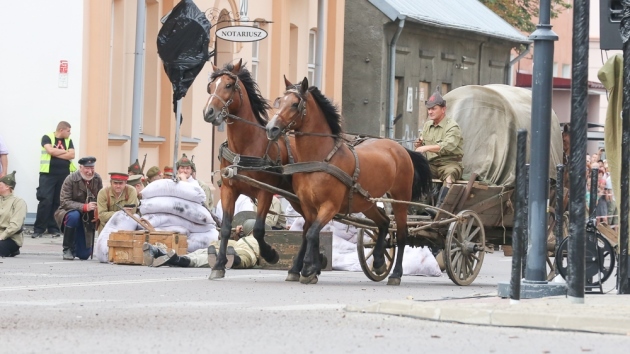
(120, 221)
(171, 206)
(416, 261)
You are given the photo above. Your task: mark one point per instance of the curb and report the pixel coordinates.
(536, 314)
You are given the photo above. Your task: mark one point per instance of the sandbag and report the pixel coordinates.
(120, 221)
(420, 261)
(174, 228)
(163, 220)
(191, 211)
(201, 240)
(168, 188)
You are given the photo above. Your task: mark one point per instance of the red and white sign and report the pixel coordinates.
(63, 74)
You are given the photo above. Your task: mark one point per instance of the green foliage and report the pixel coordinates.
(519, 13)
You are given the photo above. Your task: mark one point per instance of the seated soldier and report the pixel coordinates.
(136, 182)
(153, 174)
(168, 173)
(242, 251)
(442, 142)
(12, 215)
(118, 194)
(135, 169)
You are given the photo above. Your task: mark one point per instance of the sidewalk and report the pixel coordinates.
(601, 313)
(45, 245)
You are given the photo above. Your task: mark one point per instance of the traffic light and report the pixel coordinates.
(610, 12)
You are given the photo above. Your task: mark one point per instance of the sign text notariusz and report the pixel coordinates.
(241, 33)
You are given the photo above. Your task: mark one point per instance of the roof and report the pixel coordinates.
(464, 15)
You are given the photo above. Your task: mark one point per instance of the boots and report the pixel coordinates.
(178, 261)
(68, 243)
(443, 193)
(233, 259)
(150, 252)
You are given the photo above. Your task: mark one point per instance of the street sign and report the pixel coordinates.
(241, 33)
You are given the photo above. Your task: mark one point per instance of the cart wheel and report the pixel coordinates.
(464, 248)
(594, 271)
(366, 240)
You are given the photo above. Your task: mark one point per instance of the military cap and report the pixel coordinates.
(118, 176)
(435, 100)
(153, 171)
(247, 219)
(134, 179)
(184, 161)
(87, 161)
(9, 180)
(168, 171)
(135, 168)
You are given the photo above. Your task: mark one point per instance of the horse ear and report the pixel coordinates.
(214, 67)
(287, 83)
(237, 66)
(304, 87)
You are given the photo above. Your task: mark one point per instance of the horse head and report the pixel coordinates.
(290, 110)
(223, 99)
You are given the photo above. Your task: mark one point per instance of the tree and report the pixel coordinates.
(519, 13)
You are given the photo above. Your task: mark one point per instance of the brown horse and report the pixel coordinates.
(236, 100)
(384, 165)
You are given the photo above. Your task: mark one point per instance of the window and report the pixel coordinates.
(255, 50)
(555, 70)
(566, 70)
(312, 42)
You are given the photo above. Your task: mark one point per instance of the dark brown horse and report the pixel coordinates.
(385, 168)
(236, 100)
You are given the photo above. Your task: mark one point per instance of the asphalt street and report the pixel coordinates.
(53, 306)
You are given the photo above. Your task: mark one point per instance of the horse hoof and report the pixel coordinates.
(217, 274)
(311, 279)
(275, 257)
(293, 277)
(380, 270)
(393, 281)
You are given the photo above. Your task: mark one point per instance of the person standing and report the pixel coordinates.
(4, 158)
(118, 194)
(76, 215)
(443, 144)
(12, 215)
(55, 165)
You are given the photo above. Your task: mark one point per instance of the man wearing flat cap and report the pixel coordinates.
(76, 215)
(117, 194)
(12, 215)
(443, 144)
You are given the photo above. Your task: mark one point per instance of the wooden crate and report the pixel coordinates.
(125, 247)
(288, 243)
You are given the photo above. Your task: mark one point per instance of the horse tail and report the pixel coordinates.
(421, 176)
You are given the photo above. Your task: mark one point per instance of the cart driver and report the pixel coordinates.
(442, 143)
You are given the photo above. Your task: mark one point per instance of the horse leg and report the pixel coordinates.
(267, 252)
(298, 261)
(312, 263)
(400, 213)
(218, 270)
(382, 221)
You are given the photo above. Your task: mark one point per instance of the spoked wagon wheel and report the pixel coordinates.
(464, 248)
(366, 241)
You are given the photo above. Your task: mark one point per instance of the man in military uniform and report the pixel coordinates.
(12, 215)
(168, 172)
(117, 194)
(208, 203)
(76, 214)
(153, 174)
(242, 252)
(136, 182)
(442, 142)
(136, 169)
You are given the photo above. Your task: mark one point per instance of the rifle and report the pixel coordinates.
(91, 215)
(142, 222)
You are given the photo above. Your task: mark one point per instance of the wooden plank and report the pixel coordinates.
(120, 243)
(288, 243)
(125, 247)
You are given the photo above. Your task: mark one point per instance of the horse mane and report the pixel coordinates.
(330, 110)
(259, 104)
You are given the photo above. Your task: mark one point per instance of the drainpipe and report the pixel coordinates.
(138, 81)
(321, 35)
(481, 45)
(516, 60)
(392, 78)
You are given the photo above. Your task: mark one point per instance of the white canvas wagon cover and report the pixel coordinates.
(489, 117)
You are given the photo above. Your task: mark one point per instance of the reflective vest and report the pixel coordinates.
(44, 163)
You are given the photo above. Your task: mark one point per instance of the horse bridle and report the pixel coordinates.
(301, 109)
(226, 104)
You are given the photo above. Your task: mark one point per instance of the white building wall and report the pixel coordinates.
(36, 35)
